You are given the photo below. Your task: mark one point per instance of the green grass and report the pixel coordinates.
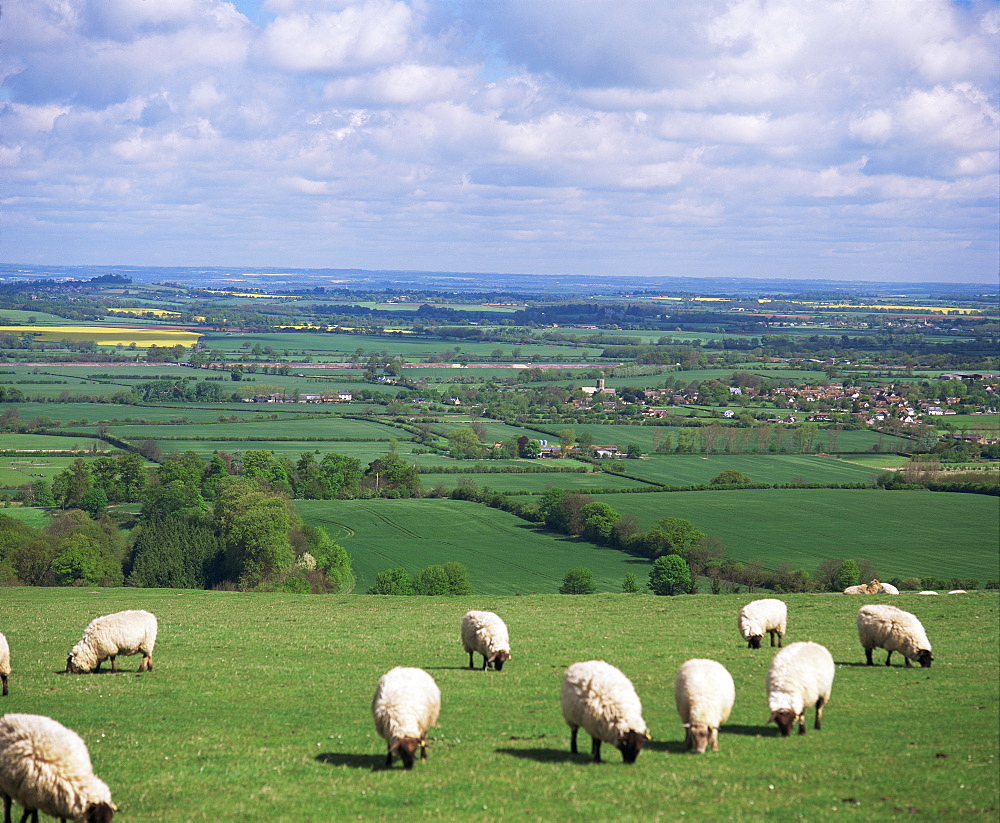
(304, 427)
(50, 442)
(691, 469)
(504, 555)
(258, 708)
(534, 482)
(32, 515)
(905, 533)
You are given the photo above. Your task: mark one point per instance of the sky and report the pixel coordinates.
(843, 139)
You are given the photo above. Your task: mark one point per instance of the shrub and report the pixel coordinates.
(630, 584)
(670, 575)
(578, 581)
(392, 581)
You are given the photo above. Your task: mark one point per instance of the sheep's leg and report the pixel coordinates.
(114, 665)
(802, 723)
(4, 678)
(472, 665)
(868, 657)
(909, 665)
(771, 633)
(572, 738)
(819, 712)
(595, 747)
(781, 639)
(887, 658)
(97, 668)
(6, 808)
(485, 662)
(423, 750)
(388, 758)
(715, 740)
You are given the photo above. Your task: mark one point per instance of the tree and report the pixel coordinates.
(670, 575)
(463, 442)
(95, 503)
(671, 535)
(729, 477)
(847, 575)
(83, 560)
(630, 584)
(71, 484)
(578, 581)
(255, 528)
(458, 578)
(392, 474)
(392, 581)
(598, 521)
(432, 580)
(342, 475)
(42, 491)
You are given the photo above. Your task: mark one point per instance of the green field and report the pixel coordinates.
(693, 469)
(303, 427)
(905, 533)
(46, 442)
(534, 482)
(258, 708)
(504, 555)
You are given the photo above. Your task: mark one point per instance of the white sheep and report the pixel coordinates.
(46, 767)
(882, 626)
(763, 616)
(485, 633)
(704, 693)
(600, 698)
(888, 588)
(4, 663)
(128, 632)
(800, 676)
(958, 591)
(926, 592)
(406, 704)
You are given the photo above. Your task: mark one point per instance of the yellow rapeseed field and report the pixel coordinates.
(108, 335)
(142, 311)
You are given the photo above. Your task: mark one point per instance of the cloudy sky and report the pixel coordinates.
(850, 139)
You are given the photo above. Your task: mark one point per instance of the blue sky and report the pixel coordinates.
(845, 139)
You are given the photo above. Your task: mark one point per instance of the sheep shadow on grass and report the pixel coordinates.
(369, 762)
(543, 755)
(749, 731)
(672, 746)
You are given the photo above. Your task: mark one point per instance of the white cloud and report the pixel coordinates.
(504, 134)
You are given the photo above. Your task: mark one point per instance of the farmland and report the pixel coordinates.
(262, 709)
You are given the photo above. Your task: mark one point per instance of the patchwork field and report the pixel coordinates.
(143, 336)
(258, 708)
(692, 469)
(906, 533)
(504, 555)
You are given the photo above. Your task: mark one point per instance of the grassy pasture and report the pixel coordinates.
(690, 469)
(258, 708)
(52, 442)
(906, 533)
(339, 347)
(504, 555)
(535, 481)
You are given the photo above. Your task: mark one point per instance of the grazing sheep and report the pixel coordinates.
(958, 591)
(4, 663)
(926, 592)
(128, 632)
(600, 698)
(406, 704)
(882, 626)
(760, 616)
(887, 588)
(46, 767)
(485, 633)
(704, 693)
(801, 675)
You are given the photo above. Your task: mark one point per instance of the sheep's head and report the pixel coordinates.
(99, 813)
(699, 735)
(631, 743)
(406, 748)
(785, 718)
(924, 658)
(72, 667)
(754, 642)
(498, 659)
